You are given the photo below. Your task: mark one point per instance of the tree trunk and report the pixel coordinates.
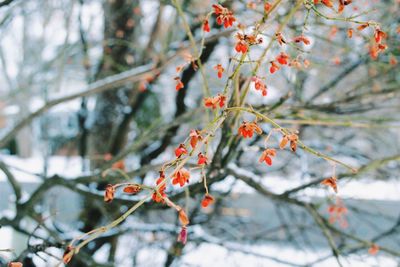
(119, 26)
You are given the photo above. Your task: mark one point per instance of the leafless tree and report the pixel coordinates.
(336, 103)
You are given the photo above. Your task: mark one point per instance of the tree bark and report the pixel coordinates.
(118, 56)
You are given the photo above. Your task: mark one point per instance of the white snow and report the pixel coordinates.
(348, 188)
(26, 170)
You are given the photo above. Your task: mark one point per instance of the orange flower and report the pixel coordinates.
(293, 142)
(224, 16)
(179, 84)
(332, 182)
(109, 193)
(207, 200)
(341, 7)
(259, 85)
(180, 150)
(274, 67)
(248, 128)
(245, 40)
(292, 138)
(159, 195)
(251, 39)
(119, 165)
(327, 3)
(267, 7)
(302, 39)
(363, 26)
(194, 138)
(202, 159)
(280, 38)
(266, 156)
(206, 26)
(382, 47)
(214, 102)
(132, 189)
(374, 249)
(67, 256)
(181, 177)
(283, 142)
(219, 69)
(374, 50)
(379, 35)
(350, 33)
(282, 58)
(183, 218)
(241, 47)
(15, 264)
(342, 4)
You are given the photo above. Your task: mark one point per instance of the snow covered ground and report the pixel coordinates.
(232, 254)
(212, 254)
(25, 169)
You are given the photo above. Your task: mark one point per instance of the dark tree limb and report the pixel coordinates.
(187, 75)
(6, 2)
(337, 79)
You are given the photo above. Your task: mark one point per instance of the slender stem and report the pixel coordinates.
(349, 19)
(284, 131)
(97, 232)
(193, 45)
